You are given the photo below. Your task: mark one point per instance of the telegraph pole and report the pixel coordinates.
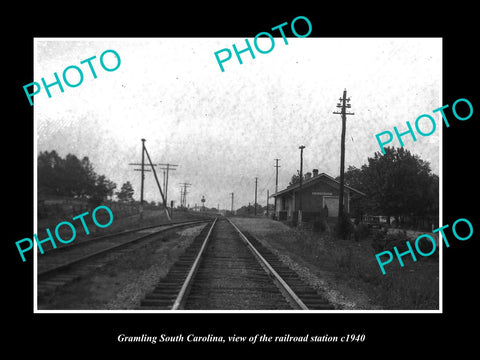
(166, 167)
(343, 106)
(255, 204)
(268, 194)
(183, 194)
(276, 184)
(276, 175)
(232, 203)
(301, 147)
(143, 170)
(158, 183)
(143, 176)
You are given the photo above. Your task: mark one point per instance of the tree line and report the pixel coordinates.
(397, 184)
(75, 178)
(247, 210)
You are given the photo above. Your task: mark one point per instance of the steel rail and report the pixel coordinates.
(103, 251)
(288, 290)
(183, 293)
(120, 233)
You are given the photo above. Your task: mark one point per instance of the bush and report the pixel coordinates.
(345, 228)
(425, 247)
(361, 232)
(319, 226)
(382, 240)
(344, 259)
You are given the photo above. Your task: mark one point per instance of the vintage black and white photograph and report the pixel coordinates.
(171, 176)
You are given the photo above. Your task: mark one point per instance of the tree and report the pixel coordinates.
(48, 166)
(71, 177)
(397, 183)
(295, 179)
(245, 210)
(354, 177)
(90, 177)
(78, 178)
(103, 189)
(126, 192)
(359, 205)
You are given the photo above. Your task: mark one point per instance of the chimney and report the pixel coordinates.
(315, 172)
(308, 175)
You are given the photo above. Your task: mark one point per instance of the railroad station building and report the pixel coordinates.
(319, 193)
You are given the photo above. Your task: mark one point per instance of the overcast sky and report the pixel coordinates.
(224, 129)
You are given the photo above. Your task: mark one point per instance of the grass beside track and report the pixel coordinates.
(351, 264)
(150, 217)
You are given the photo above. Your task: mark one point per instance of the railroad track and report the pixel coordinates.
(89, 240)
(225, 269)
(66, 264)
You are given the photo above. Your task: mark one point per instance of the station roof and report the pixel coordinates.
(313, 180)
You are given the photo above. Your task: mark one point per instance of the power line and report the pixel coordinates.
(261, 192)
(343, 106)
(142, 169)
(301, 147)
(168, 167)
(158, 183)
(268, 194)
(183, 193)
(255, 204)
(276, 175)
(276, 185)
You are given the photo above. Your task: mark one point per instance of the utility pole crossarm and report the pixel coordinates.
(343, 105)
(143, 170)
(183, 193)
(158, 183)
(138, 164)
(167, 167)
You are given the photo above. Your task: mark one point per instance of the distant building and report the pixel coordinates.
(319, 192)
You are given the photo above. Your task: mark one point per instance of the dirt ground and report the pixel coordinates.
(124, 282)
(274, 234)
(346, 271)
